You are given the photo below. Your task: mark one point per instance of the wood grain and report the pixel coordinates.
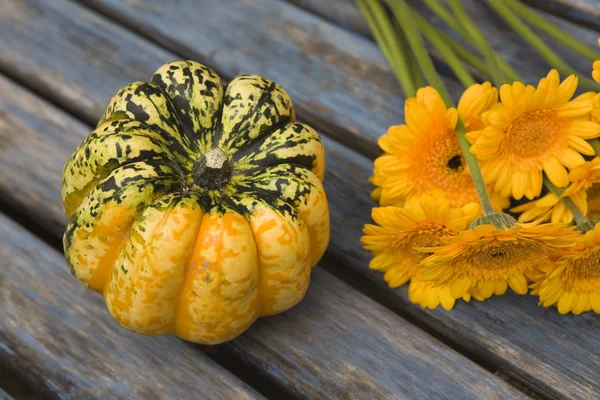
(5, 396)
(46, 44)
(329, 72)
(506, 42)
(486, 330)
(583, 12)
(67, 346)
(337, 341)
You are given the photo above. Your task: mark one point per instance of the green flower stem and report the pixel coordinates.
(445, 15)
(476, 62)
(474, 169)
(583, 223)
(468, 57)
(446, 51)
(416, 74)
(508, 70)
(404, 16)
(388, 42)
(462, 17)
(538, 44)
(439, 10)
(542, 24)
(595, 143)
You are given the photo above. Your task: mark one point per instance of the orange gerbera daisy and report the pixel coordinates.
(573, 284)
(584, 191)
(424, 154)
(486, 260)
(586, 179)
(596, 67)
(534, 131)
(596, 101)
(400, 229)
(595, 114)
(550, 206)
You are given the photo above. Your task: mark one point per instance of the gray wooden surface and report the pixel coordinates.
(328, 71)
(4, 395)
(508, 44)
(583, 12)
(300, 350)
(77, 59)
(67, 346)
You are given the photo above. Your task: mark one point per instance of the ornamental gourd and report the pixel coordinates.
(195, 210)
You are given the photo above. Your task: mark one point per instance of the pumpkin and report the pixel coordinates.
(195, 210)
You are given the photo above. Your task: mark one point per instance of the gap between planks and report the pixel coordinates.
(220, 356)
(358, 258)
(584, 12)
(298, 321)
(508, 44)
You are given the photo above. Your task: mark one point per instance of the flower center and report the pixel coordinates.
(497, 260)
(444, 165)
(593, 201)
(423, 236)
(587, 267)
(497, 256)
(455, 163)
(532, 133)
(583, 273)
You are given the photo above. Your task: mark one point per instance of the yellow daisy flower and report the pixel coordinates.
(596, 71)
(429, 296)
(550, 207)
(595, 114)
(400, 229)
(584, 191)
(486, 260)
(573, 284)
(476, 100)
(533, 131)
(424, 154)
(586, 180)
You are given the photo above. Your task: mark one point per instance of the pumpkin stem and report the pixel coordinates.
(213, 169)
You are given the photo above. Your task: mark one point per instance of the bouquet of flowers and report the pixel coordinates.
(448, 176)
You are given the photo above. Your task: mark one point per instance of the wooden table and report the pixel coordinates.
(352, 336)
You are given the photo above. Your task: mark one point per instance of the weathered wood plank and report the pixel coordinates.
(473, 325)
(5, 396)
(54, 55)
(67, 347)
(328, 72)
(507, 43)
(557, 356)
(337, 342)
(583, 12)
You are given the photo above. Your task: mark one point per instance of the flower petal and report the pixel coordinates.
(556, 172)
(565, 303)
(518, 283)
(584, 129)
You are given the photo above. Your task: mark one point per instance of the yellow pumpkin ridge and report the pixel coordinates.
(219, 299)
(148, 275)
(194, 209)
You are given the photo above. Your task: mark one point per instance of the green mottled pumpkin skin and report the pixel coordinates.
(175, 161)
